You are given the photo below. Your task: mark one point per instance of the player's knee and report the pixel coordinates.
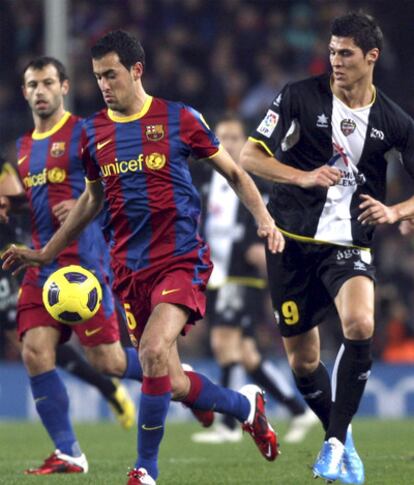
(302, 367)
(358, 327)
(153, 356)
(37, 359)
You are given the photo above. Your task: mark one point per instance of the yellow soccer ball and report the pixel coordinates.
(72, 295)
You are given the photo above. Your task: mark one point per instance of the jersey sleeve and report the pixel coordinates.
(91, 167)
(196, 134)
(276, 122)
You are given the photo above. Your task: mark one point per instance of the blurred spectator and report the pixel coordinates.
(259, 97)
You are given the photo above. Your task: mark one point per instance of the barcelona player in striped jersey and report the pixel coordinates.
(136, 157)
(50, 166)
(67, 357)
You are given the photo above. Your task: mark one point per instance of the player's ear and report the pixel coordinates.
(137, 70)
(373, 55)
(65, 87)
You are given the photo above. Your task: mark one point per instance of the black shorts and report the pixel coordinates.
(305, 279)
(237, 306)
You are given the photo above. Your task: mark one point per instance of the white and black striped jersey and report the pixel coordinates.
(229, 230)
(305, 127)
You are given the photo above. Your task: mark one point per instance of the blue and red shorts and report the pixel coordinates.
(100, 329)
(180, 280)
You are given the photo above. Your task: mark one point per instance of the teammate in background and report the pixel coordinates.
(324, 142)
(236, 295)
(50, 167)
(136, 158)
(66, 356)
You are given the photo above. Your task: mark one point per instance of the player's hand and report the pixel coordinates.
(62, 210)
(375, 212)
(275, 240)
(406, 227)
(4, 209)
(21, 258)
(324, 176)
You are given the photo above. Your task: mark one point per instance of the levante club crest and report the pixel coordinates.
(348, 126)
(58, 149)
(154, 132)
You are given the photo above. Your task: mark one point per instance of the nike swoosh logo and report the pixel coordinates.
(40, 399)
(21, 160)
(167, 292)
(269, 451)
(89, 333)
(151, 428)
(102, 144)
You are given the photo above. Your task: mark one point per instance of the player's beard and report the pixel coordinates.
(51, 106)
(47, 112)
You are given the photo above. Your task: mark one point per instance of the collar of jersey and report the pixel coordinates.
(126, 119)
(53, 130)
(361, 108)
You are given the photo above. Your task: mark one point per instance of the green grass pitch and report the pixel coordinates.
(387, 448)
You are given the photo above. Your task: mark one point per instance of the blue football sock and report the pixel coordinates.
(52, 404)
(206, 395)
(133, 368)
(153, 409)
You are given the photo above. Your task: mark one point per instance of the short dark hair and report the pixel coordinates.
(128, 48)
(231, 117)
(41, 62)
(362, 28)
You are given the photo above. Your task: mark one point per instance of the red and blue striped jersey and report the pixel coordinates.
(152, 205)
(51, 170)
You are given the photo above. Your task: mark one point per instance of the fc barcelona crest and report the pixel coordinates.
(154, 132)
(58, 149)
(348, 126)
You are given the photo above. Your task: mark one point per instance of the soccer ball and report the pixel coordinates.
(72, 295)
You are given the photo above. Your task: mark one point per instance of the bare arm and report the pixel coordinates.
(257, 161)
(256, 256)
(250, 196)
(375, 212)
(86, 208)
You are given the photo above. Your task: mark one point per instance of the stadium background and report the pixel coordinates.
(221, 55)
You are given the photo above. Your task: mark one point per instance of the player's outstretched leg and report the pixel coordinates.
(204, 417)
(112, 390)
(247, 406)
(52, 404)
(227, 428)
(352, 470)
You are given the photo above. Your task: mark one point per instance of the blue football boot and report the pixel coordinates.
(352, 470)
(329, 461)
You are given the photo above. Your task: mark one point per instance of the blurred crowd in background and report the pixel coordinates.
(221, 55)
